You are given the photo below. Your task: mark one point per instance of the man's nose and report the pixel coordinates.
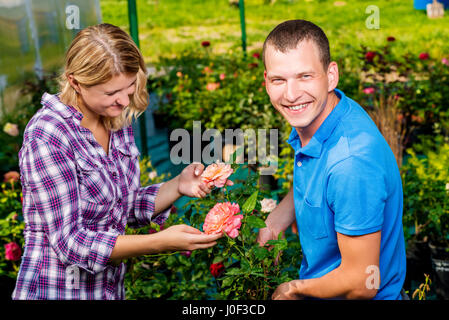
(292, 90)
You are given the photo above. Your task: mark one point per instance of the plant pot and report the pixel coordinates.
(7, 285)
(418, 262)
(440, 268)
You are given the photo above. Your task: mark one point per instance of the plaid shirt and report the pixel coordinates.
(76, 201)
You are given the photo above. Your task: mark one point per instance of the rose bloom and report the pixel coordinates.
(152, 174)
(445, 61)
(256, 55)
(370, 56)
(222, 76)
(205, 44)
(11, 176)
(424, 56)
(216, 269)
(12, 251)
(186, 254)
(268, 205)
(223, 217)
(11, 129)
(217, 173)
(369, 90)
(391, 39)
(212, 86)
(207, 70)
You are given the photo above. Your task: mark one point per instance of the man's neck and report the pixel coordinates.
(306, 134)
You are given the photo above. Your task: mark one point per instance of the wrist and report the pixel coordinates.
(297, 286)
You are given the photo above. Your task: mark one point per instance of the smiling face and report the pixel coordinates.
(299, 87)
(108, 99)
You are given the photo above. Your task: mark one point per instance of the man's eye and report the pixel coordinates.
(306, 76)
(110, 93)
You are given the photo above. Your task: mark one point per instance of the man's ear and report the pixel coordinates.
(73, 83)
(332, 76)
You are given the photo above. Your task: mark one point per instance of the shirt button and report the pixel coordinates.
(299, 163)
(113, 226)
(119, 201)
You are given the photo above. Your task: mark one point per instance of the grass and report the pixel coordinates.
(169, 27)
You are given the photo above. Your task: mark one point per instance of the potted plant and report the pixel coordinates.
(426, 214)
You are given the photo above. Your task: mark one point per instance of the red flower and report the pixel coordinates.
(370, 56)
(205, 44)
(424, 56)
(216, 269)
(186, 254)
(391, 39)
(256, 55)
(12, 251)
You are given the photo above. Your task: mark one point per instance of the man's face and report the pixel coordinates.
(298, 85)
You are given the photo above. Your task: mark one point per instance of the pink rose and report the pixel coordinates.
(217, 173)
(11, 176)
(222, 76)
(223, 217)
(369, 90)
(212, 86)
(12, 251)
(445, 61)
(11, 129)
(268, 205)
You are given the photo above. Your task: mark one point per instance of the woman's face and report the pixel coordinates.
(110, 98)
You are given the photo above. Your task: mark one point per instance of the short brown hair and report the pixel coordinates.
(288, 34)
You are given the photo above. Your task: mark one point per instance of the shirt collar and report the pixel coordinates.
(314, 147)
(52, 101)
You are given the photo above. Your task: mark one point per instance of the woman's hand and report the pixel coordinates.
(190, 183)
(186, 238)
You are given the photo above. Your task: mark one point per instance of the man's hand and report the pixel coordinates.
(287, 291)
(265, 234)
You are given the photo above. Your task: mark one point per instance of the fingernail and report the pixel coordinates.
(197, 172)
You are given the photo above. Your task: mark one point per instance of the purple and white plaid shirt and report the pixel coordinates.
(76, 201)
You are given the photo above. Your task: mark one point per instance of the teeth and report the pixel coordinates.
(298, 107)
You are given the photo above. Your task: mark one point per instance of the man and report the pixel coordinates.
(347, 191)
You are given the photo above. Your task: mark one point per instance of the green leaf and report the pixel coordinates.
(250, 203)
(260, 253)
(217, 259)
(255, 222)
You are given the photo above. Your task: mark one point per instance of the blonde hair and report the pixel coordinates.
(97, 54)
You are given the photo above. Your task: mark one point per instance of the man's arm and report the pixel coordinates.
(279, 219)
(349, 280)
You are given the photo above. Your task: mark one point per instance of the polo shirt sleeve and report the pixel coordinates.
(357, 193)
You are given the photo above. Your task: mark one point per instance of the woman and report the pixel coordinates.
(80, 177)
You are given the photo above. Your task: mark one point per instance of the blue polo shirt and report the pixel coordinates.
(346, 180)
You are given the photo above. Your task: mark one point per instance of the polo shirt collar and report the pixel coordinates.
(52, 101)
(314, 147)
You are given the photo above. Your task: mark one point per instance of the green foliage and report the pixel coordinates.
(426, 199)
(251, 271)
(11, 226)
(221, 91)
(29, 102)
